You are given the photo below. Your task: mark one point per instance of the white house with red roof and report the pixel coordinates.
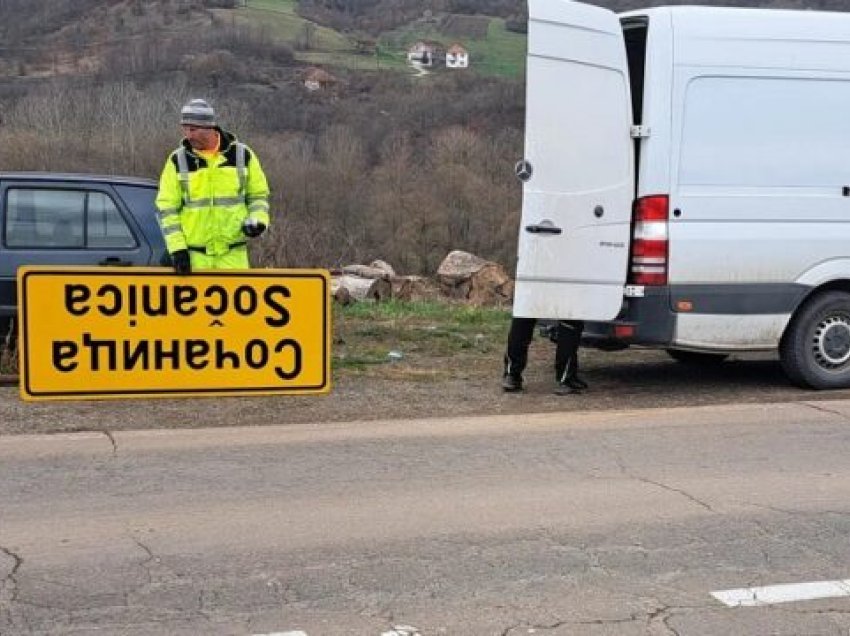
(457, 57)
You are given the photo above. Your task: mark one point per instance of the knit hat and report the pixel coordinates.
(198, 113)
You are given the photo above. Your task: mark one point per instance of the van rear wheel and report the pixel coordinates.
(696, 357)
(815, 350)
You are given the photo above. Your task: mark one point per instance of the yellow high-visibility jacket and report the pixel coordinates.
(202, 204)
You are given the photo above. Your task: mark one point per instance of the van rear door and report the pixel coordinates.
(579, 165)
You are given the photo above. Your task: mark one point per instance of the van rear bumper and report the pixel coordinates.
(647, 320)
(650, 319)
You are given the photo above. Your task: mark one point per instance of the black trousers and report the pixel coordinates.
(568, 337)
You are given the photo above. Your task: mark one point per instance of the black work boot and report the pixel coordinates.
(577, 383)
(511, 383)
(570, 386)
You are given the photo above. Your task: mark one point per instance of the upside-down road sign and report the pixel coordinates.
(97, 332)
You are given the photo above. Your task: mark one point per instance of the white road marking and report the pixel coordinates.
(398, 630)
(402, 630)
(770, 594)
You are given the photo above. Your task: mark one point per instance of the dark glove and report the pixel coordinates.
(252, 228)
(180, 260)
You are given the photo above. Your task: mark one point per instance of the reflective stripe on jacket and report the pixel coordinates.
(202, 204)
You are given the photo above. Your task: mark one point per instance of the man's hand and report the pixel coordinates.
(181, 262)
(252, 228)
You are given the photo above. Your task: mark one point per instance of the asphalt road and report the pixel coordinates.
(586, 523)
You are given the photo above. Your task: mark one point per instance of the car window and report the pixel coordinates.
(105, 225)
(64, 219)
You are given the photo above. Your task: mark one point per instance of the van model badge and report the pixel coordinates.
(523, 170)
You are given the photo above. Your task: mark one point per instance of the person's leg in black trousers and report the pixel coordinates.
(566, 357)
(516, 356)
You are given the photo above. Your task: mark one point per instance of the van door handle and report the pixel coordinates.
(115, 260)
(543, 228)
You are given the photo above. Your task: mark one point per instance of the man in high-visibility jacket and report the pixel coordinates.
(213, 195)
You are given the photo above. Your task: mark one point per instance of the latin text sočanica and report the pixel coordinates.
(182, 300)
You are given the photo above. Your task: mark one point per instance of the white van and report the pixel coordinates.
(687, 181)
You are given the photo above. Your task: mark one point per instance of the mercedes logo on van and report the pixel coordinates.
(523, 170)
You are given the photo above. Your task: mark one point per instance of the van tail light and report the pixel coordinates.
(650, 243)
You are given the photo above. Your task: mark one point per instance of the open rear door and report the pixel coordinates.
(578, 168)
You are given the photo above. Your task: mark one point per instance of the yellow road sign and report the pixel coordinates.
(97, 333)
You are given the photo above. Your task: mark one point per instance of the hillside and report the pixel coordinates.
(50, 37)
(378, 163)
(62, 37)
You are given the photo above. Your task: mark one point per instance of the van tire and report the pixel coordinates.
(815, 350)
(696, 357)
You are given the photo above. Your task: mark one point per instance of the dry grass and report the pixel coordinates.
(8, 358)
(423, 342)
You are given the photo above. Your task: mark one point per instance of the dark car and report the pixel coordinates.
(74, 219)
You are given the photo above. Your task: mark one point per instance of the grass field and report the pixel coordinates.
(499, 52)
(329, 47)
(281, 18)
(408, 339)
